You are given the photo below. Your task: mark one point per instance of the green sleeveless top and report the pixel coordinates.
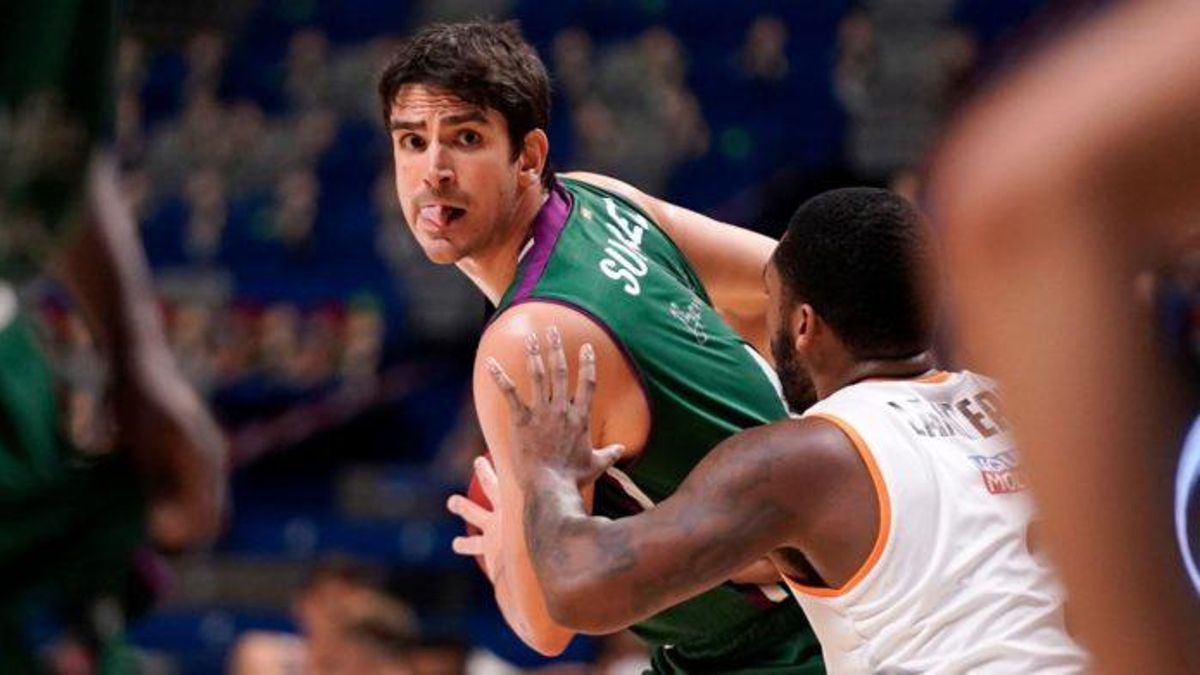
(56, 104)
(595, 252)
(71, 524)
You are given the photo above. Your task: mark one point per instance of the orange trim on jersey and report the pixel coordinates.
(936, 377)
(885, 512)
(933, 377)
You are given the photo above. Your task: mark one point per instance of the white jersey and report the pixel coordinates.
(951, 585)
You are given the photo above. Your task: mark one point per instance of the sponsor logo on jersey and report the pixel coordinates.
(1001, 472)
(692, 318)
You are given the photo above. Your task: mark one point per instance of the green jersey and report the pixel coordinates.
(56, 60)
(600, 255)
(70, 523)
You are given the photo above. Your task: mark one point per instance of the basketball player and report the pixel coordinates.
(893, 507)
(1059, 185)
(69, 522)
(650, 285)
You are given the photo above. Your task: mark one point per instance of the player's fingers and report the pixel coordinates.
(537, 369)
(472, 545)
(469, 511)
(558, 369)
(585, 386)
(488, 481)
(605, 457)
(508, 388)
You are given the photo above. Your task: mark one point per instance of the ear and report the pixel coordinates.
(532, 160)
(804, 325)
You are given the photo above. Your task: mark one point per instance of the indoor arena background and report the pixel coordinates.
(337, 358)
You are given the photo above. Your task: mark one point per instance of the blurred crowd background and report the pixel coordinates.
(337, 358)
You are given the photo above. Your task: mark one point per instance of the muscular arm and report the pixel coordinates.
(737, 506)
(172, 440)
(621, 415)
(729, 259)
(1056, 188)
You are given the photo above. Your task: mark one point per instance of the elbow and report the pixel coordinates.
(547, 644)
(187, 522)
(543, 636)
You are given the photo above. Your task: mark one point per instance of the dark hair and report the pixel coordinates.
(384, 622)
(860, 257)
(343, 569)
(483, 63)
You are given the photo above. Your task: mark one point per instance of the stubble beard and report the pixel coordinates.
(798, 388)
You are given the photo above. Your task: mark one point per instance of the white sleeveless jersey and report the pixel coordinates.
(951, 585)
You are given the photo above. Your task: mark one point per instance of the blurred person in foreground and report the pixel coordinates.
(894, 507)
(1057, 188)
(70, 522)
(657, 289)
(349, 624)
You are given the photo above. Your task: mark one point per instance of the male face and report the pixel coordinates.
(456, 176)
(798, 388)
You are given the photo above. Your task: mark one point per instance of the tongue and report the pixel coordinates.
(438, 215)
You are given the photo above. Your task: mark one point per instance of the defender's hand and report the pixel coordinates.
(553, 432)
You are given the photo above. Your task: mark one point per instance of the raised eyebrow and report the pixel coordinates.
(465, 117)
(404, 125)
(458, 118)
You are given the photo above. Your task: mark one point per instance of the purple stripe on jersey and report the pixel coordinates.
(546, 227)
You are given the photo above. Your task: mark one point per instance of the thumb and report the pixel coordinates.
(605, 457)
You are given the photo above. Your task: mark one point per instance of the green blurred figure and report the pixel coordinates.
(69, 522)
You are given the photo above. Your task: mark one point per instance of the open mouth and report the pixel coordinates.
(440, 215)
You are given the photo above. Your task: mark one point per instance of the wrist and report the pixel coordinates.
(545, 478)
(137, 361)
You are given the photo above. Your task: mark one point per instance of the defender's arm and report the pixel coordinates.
(737, 506)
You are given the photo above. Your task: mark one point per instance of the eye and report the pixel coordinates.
(469, 137)
(412, 142)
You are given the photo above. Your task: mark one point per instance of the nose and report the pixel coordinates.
(440, 170)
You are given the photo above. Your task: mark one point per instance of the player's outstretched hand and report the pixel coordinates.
(484, 526)
(553, 432)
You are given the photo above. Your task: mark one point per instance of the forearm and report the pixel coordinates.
(172, 440)
(601, 575)
(1047, 224)
(107, 274)
(518, 591)
(579, 557)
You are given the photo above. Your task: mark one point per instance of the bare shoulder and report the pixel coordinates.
(823, 450)
(510, 330)
(620, 412)
(645, 202)
(810, 452)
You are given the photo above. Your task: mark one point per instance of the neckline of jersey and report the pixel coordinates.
(931, 376)
(547, 225)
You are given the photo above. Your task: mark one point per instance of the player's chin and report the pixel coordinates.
(441, 251)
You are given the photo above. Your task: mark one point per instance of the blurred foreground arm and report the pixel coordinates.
(1056, 188)
(170, 436)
